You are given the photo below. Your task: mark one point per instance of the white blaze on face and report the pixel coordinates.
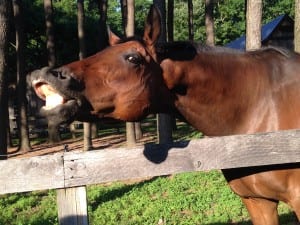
(52, 98)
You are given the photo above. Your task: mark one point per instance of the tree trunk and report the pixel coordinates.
(209, 22)
(103, 37)
(130, 19)
(138, 130)
(80, 27)
(130, 134)
(103, 43)
(9, 140)
(253, 24)
(190, 19)
(94, 130)
(53, 130)
(24, 143)
(164, 121)
(5, 10)
(129, 31)
(124, 13)
(87, 130)
(50, 32)
(87, 137)
(297, 26)
(170, 20)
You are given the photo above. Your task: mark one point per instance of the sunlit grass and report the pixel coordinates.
(182, 199)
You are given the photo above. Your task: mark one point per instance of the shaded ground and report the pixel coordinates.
(109, 136)
(112, 140)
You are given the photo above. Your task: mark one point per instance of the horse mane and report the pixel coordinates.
(189, 49)
(275, 49)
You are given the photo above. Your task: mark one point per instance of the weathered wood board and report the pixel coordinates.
(72, 206)
(73, 169)
(206, 154)
(30, 174)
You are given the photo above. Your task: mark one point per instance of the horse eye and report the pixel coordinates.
(134, 59)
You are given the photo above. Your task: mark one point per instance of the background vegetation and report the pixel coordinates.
(229, 24)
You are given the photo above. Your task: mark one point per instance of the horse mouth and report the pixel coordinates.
(49, 94)
(61, 106)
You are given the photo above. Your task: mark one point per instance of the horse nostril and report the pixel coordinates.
(59, 74)
(54, 73)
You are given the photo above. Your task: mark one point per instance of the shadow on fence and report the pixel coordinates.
(159, 153)
(76, 219)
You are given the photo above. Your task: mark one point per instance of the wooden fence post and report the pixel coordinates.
(72, 206)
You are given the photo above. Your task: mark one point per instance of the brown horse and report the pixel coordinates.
(218, 91)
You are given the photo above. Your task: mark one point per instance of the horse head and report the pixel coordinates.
(124, 81)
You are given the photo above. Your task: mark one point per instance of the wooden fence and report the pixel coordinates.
(70, 172)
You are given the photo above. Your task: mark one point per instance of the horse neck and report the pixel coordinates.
(217, 99)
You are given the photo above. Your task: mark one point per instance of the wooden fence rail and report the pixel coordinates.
(78, 169)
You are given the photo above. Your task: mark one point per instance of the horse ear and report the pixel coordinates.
(152, 26)
(113, 39)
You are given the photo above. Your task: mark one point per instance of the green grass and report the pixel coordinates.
(182, 199)
(29, 208)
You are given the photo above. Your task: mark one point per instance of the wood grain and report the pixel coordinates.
(72, 206)
(72, 169)
(30, 174)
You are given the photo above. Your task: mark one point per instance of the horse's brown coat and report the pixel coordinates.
(237, 93)
(218, 91)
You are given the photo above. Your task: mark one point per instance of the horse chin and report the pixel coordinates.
(62, 114)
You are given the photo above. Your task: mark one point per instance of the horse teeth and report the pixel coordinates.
(53, 100)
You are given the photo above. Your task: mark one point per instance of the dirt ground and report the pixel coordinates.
(105, 141)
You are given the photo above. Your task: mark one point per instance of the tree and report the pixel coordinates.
(297, 26)
(133, 129)
(50, 32)
(102, 43)
(253, 26)
(129, 29)
(5, 12)
(87, 132)
(53, 129)
(164, 121)
(128, 22)
(124, 14)
(24, 142)
(209, 22)
(190, 19)
(136, 131)
(102, 7)
(170, 20)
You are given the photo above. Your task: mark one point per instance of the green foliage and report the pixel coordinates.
(229, 24)
(229, 20)
(274, 8)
